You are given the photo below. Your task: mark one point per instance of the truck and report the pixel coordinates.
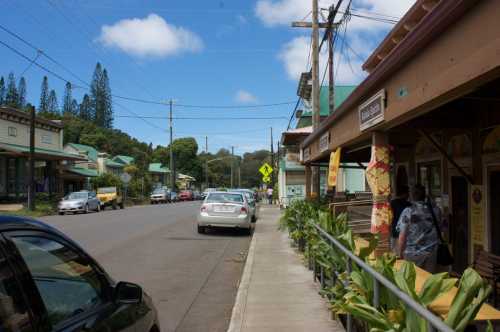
(110, 196)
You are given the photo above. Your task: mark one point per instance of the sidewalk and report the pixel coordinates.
(277, 292)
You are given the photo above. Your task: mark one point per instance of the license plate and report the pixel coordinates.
(223, 209)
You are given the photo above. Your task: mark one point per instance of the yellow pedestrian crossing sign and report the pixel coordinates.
(266, 170)
(266, 179)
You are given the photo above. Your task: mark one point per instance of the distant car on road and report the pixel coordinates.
(49, 283)
(186, 195)
(79, 201)
(110, 196)
(159, 196)
(197, 196)
(225, 209)
(174, 197)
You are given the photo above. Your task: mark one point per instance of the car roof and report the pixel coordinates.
(225, 192)
(8, 222)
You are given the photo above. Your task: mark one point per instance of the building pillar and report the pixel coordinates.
(315, 175)
(308, 175)
(379, 179)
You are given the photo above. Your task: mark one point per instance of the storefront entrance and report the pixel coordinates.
(459, 223)
(494, 207)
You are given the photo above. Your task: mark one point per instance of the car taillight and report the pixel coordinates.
(203, 208)
(244, 210)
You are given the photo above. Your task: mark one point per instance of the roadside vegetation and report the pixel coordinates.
(352, 293)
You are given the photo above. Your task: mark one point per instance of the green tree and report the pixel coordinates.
(107, 101)
(21, 91)
(106, 180)
(2, 91)
(74, 107)
(68, 100)
(43, 107)
(97, 97)
(12, 96)
(53, 106)
(85, 111)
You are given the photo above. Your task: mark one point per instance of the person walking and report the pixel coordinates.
(270, 195)
(398, 204)
(418, 237)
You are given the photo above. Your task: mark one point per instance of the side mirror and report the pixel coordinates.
(128, 293)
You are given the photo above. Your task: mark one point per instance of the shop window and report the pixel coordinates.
(429, 175)
(12, 131)
(3, 175)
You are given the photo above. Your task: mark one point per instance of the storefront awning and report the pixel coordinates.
(40, 153)
(83, 171)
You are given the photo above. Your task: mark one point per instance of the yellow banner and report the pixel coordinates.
(333, 168)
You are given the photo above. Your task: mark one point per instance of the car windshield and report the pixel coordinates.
(224, 198)
(77, 196)
(107, 190)
(158, 191)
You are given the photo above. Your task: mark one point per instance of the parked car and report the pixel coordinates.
(225, 209)
(196, 195)
(49, 283)
(79, 201)
(110, 196)
(186, 195)
(252, 203)
(159, 196)
(204, 194)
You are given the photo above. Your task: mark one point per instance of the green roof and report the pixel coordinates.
(125, 160)
(157, 168)
(112, 163)
(89, 150)
(40, 151)
(341, 94)
(84, 171)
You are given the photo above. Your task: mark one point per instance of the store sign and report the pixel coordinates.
(372, 111)
(306, 154)
(324, 142)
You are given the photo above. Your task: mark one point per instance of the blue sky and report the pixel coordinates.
(199, 52)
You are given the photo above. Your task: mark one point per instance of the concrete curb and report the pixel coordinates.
(238, 313)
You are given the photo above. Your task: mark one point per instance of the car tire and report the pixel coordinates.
(86, 210)
(114, 205)
(61, 213)
(201, 229)
(98, 208)
(248, 231)
(122, 205)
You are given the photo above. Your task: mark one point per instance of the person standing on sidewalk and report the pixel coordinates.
(418, 237)
(398, 205)
(270, 195)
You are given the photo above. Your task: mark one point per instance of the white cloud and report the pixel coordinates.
(294, 55)
(150, 36)
(243, 96)
(283, 12)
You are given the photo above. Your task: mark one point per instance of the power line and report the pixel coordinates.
(203, 118)
(236, 106)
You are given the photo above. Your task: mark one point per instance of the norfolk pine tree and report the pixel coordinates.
(85, 112)
(97, 97)
(68, 100)
(21, 91)
(12, 97)
(53, 107)
(107, 102)
(2, 91)
(43, 107)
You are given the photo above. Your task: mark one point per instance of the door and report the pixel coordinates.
(459, 224)
(75, 293)
(494, 205)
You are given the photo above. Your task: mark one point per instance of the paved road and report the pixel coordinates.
(193, 278)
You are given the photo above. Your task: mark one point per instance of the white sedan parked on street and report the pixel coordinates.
(225, 209)
(79, 201)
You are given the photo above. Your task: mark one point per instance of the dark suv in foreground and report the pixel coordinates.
(49, 283)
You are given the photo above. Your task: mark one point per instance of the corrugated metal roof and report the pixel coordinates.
(157, 168)
(90, 151)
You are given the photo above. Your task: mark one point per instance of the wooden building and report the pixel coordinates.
(432, 100)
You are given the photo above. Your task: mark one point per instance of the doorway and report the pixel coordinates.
(459, 223)
(494, 204)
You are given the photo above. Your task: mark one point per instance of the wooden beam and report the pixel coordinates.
(438, 147)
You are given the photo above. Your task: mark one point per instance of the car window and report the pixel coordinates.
(224, 198)
(14, 316)
(68, 284)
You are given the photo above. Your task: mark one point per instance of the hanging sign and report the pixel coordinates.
(371, 112)
(477, 214)
(324, 142)
(333, 168)
(306, 154)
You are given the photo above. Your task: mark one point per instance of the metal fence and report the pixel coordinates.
(434, 322)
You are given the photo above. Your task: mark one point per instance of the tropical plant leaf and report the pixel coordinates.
(435, 286)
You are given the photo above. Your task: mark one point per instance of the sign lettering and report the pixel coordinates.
(372, 111)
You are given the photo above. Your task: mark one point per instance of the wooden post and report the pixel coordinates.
(308, 181)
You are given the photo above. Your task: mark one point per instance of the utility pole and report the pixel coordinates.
(272, 159)
(172, 171)
(232, 165)
(31, 158)
(206, 162)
